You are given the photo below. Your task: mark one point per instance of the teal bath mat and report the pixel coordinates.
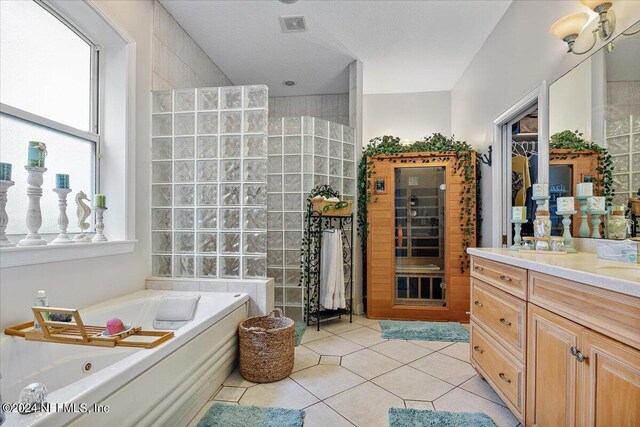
(424, 331)
(228, 415)
(299, 327)
(400, 417)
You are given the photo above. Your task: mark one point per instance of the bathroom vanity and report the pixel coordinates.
(558, 337)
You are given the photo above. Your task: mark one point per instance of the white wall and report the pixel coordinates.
(518, 55)
(332, 107)
(408, 116)
(570, 101)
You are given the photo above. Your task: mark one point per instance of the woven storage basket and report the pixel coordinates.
(635, 206)
(266, 347)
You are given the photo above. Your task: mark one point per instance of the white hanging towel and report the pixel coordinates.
(332, 294)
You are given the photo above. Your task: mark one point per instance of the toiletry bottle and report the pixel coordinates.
(41, 300)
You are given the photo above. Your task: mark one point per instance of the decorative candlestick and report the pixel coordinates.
(566, 229)
(4, 218)
(541, 202)
(583, 231)
(595, 221)
(34, 214)
(63, 220)
(83, 211)
(99, 237)
(517, 239)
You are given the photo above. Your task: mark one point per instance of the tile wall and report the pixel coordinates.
(331, 107)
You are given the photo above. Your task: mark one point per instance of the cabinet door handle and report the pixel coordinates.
(504, 378)
(505, 278)
(478, 349)
(573, 351)
(478, 303)
(504, 321)
(581, 357)
(478, 268)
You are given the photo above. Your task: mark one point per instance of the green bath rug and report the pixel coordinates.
(299, 327)
(400, 417)
(229, 415)
(424, 331)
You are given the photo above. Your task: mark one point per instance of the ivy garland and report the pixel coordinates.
(436, 143)
(574, 141)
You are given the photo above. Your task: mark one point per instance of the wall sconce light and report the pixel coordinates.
(569, 27)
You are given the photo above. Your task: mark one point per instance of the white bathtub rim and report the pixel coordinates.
(98, 386)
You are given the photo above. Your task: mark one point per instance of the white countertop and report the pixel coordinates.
(580, 267)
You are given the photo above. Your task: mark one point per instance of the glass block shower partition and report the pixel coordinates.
(209, 174)
(303, 152)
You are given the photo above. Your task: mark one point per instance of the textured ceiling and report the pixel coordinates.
(405, 46)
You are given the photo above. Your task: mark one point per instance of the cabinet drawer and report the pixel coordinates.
(506, 277)
(501, 314)
(503, 372)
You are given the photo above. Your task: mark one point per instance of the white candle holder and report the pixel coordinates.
(583, 231)
(517, 239)
(566, 230)
(34, 214)
(541, 201)
(63, 219)
(595, 221)
(4, 218)
(99, 237)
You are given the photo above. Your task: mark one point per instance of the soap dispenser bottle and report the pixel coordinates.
(41, 300)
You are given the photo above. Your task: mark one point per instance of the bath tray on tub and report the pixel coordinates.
(76, 332)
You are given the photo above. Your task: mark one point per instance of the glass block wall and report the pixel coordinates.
(623, 142)
(209, 173)
(303, 152)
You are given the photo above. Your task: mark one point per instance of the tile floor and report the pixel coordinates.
(347, 375)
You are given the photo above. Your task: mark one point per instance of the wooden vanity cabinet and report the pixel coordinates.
(577, 352)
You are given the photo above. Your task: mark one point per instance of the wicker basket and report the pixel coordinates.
(635, 206)
(266, 347)
(319, 208)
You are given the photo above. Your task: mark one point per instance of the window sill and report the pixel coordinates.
(19, 256)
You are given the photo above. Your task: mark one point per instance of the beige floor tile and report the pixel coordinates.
(364, 336)
(402, 351)
(326, 380)
(230, 394)
(417, 404)
(333, 346)
(284, 394)
(363, 320)
(320, 415)
(445, 367)
(460, 400)
(366, 405)
(236, 380)
(432, 345)
(409, 383)
(369, 364)
(330, 360)
(459, 350)
(339, 326)
(311, 334)
(304, 358)
(480, 387)
(375, 326)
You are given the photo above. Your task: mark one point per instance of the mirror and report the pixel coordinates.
(594, 113)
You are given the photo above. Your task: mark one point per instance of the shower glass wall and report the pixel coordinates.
(303, 152)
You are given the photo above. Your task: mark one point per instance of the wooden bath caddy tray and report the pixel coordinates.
(76, 332)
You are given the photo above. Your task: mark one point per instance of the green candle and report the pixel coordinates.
(100, 201)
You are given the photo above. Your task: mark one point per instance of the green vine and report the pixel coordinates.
(436, 143)
(579, 146)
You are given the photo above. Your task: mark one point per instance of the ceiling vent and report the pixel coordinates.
(293, 24)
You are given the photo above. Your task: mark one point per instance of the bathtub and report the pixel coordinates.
(163, 386)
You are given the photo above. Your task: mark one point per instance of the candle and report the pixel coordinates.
(62, 180)
(518, 213)
(100, 201)
(5, 171)
(584, 189)
(595, 203)
(37, 152)
(565, 204)
(540, 190)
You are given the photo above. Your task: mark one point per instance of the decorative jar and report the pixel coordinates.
(542, 225)
(542, 243)
(528, 243)
(617, 226)
(556, 244)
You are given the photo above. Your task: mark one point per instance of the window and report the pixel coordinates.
(48, 93)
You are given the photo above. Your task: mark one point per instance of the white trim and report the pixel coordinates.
(539, 95)
(20, 256)
(43, 121)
